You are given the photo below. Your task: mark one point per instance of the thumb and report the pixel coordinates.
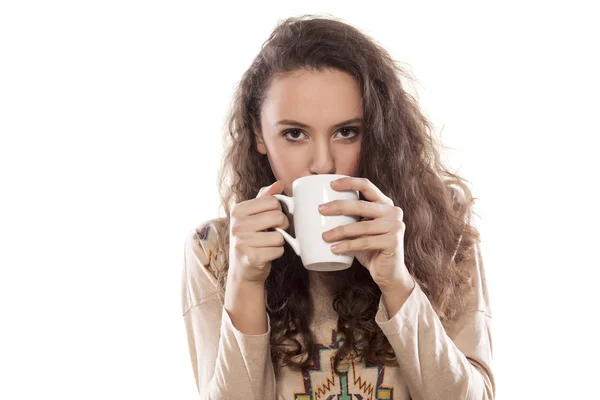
(274, 188)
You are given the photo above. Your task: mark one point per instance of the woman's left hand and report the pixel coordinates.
(377, 240)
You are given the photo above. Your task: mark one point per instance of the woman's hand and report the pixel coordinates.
(252, 246)
(377, 240)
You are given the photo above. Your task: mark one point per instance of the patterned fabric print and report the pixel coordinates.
(211, 250)
(327, 385)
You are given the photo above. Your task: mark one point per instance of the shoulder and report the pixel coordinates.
(204, 243)
(479, 299)
(203, 258)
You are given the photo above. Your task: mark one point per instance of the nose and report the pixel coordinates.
(323, 161)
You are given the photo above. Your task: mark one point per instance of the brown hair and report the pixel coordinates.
(408, 169)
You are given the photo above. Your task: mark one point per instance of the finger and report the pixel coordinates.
(379, 242)
(359, 208)
(363, 185)
(265, 220)
(363, 228)
(275, 188)
(260, 205)
(262, 239)
(264, 201)
(271, 253)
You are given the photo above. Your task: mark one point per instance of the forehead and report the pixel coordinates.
(312, 97)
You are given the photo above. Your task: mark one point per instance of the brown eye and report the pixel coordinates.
(349, 133)
(292, 135)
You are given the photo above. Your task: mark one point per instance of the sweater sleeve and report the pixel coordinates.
(227, 364)
(440, 364)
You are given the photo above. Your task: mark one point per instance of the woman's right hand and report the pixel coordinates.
(252, 247)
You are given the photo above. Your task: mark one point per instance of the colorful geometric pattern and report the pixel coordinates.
(325, 384)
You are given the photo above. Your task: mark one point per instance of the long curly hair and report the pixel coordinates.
(398, 154)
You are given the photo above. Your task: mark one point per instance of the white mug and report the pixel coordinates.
(308, 193)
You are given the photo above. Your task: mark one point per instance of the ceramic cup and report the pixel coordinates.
(309, 224)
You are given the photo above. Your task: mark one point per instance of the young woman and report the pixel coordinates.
(410, 319)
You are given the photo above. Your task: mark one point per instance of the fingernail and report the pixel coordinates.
(323, 206)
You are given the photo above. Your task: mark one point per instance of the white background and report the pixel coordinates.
(111, 118)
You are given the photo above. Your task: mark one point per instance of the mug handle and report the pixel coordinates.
(289, 202)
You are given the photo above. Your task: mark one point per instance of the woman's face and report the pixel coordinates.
(311, 124)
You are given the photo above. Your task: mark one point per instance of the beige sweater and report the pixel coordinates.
(433, 363)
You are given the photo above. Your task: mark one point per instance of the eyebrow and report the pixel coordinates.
(300, 124)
